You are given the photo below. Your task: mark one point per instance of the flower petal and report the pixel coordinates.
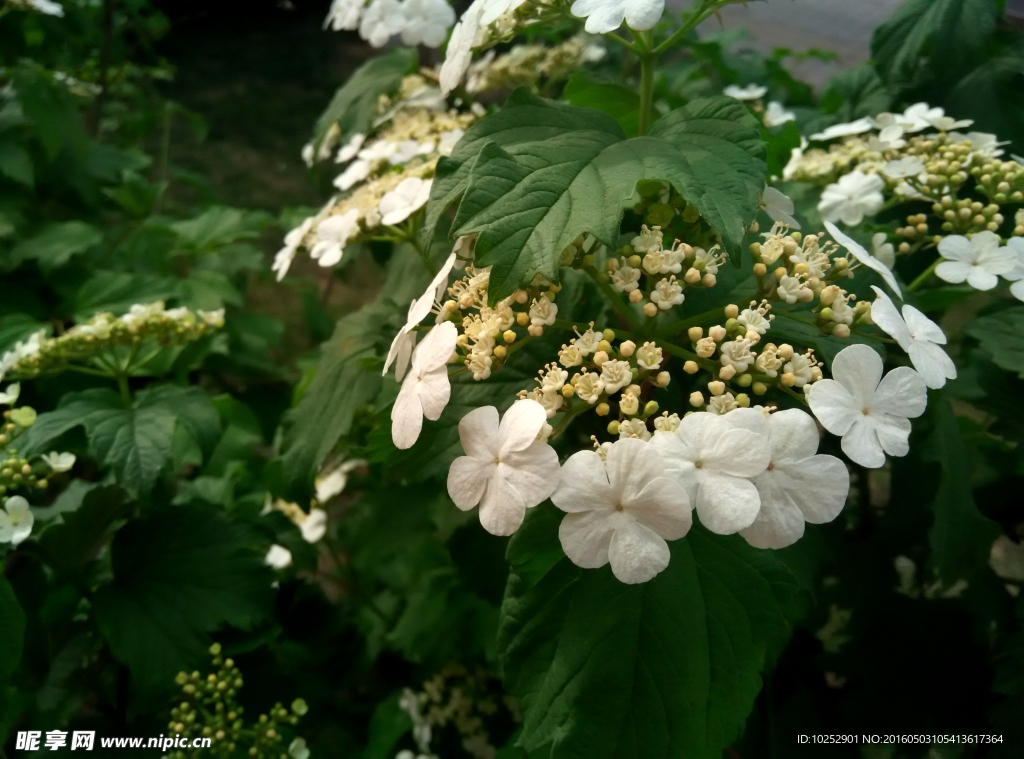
(858, 252)
(583, 485)
(585, 537)
(437, 347)
(833, 405)
(478, 433)
(406, 416)
(885, 315)
(533, 472)
(664, 507)
(932, 363)
(953, 272)
(921, 327)
(858, 368)
(794, 436)
(637, 553)
(467, 480)
(520, 426)
(818, 486)
(726, 504)
(502, 509)
(779, 522)
(955, 248)
(893, 434)
(860, 444)
(631, 464)
(980, 279)
(901, 392)
(434, 390)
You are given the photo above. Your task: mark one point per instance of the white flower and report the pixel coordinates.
(350, 149)
(426, 22)
(495, 9)
(621, 510)
(506, 470)
(59, 462)
(402, 202)
(543, 312)
(667, 293)
(979, 260)
(314, 526)
(857, 251)
(791, 289)
(425, 390)
(615, 375)
(776, 114)
(292, 241)
(10, 396)
(1015, 245)
(589, 387)
(647, 240)
(713, 457)
(16, 521)
(918, 335)
(333, 483)
(853, 197)
(406, 150)
(625, 279)
(448, 141)
(753, 319)
(588, 342)
(344, 14)
(800, 485)
(605, 16)
(381, 21)
(778, 207)
(883, 250)
(750, 92)
(333, 234)
(353, 174)
(843, 130)
(872, 413)
(649, 356)
(982, 143)
(278, 557)
(901, 168)
(459, 52)
(736, 353)
(47, 7)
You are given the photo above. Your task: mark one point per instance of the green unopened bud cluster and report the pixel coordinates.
(16, 472)
(96, 342)
(209, 709)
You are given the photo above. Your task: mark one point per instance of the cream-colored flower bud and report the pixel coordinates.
(727, 372)
(629, 404)
(600, 358)
(535, 329)
(634, 389)
(695, 333)
(732, 311)
(605, 346)
(613, 427)
(499, 351)
(696, 399)
(788, 379)
(627, 348)
(462, 341)
(522, 319)
(690, 367)
(663, 379)
(635, 261)
(603, 409)
(785, 351)
(717, 333)
(716, 388)
(568, 390)
(451, 306)
(705, 347)
(760, 270)
(709, 280)
(509, 336)
(692, 276)
(650, 310)
(635, 296)
(841, 330)
(521, 296)
(753, 336)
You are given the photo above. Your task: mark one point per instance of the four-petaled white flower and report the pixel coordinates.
(979, 260)
(333, 483)
(749, 92)
(778, 207)
(459, 52)
(918, 335)
(777, 115)
(853, 197)
(667, 293)
(402, 202)
(843, 130)
(405, 340)
(426, 22)
(621, 510)
(381, 21)
(982, 143)
(59, 462)
(333, 234)
(506, 469)
(278, 557)
(800, 485)
(909, 166)
(872, 413)
(543, 312)
(16, 520)
(858, 252)
(10, 396)
(605, 16)
(292, 241)
(713, 457)
(615, 375)
(1015, 246)
(426, 389)
(344, 14)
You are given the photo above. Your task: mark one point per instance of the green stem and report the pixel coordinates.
(624, 42)
(923, 276)
(126, 393)
(609, 292)
(648, 62)
(705, 9)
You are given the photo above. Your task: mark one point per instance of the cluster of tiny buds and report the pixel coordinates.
(209, 709)
(17, 472)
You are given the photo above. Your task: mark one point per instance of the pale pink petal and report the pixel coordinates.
(637, 553)
(726, 504)
(467, 480)
(583, 485)
(521, 425)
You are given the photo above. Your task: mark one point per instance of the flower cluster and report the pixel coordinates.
(141, 333)
(209, 709)
(527, 65)
(417, 22)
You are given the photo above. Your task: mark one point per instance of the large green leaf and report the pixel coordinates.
(669, 668)
(528, 205)
(1002, 335)
(56, 244)
(179, 574)
(950, 33)
(617, 100)
(961, 536)
(355, 103)
(16, 163)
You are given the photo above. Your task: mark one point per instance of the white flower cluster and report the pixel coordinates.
(981, 260)
(417, 22)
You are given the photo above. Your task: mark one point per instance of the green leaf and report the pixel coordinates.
(618, 101)
(669, 668)
(72, 543)
(961, 536)
(855, 93)
(57, 243)
(527, 206)
(219, 226)
(16, 163)
(12, 631)
(179, 574)
(354, 105)
(15, 328)
(1002, 335)
(192, 407)
(780, 146)
(117, 291)
(948, 33)
(52, 112)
